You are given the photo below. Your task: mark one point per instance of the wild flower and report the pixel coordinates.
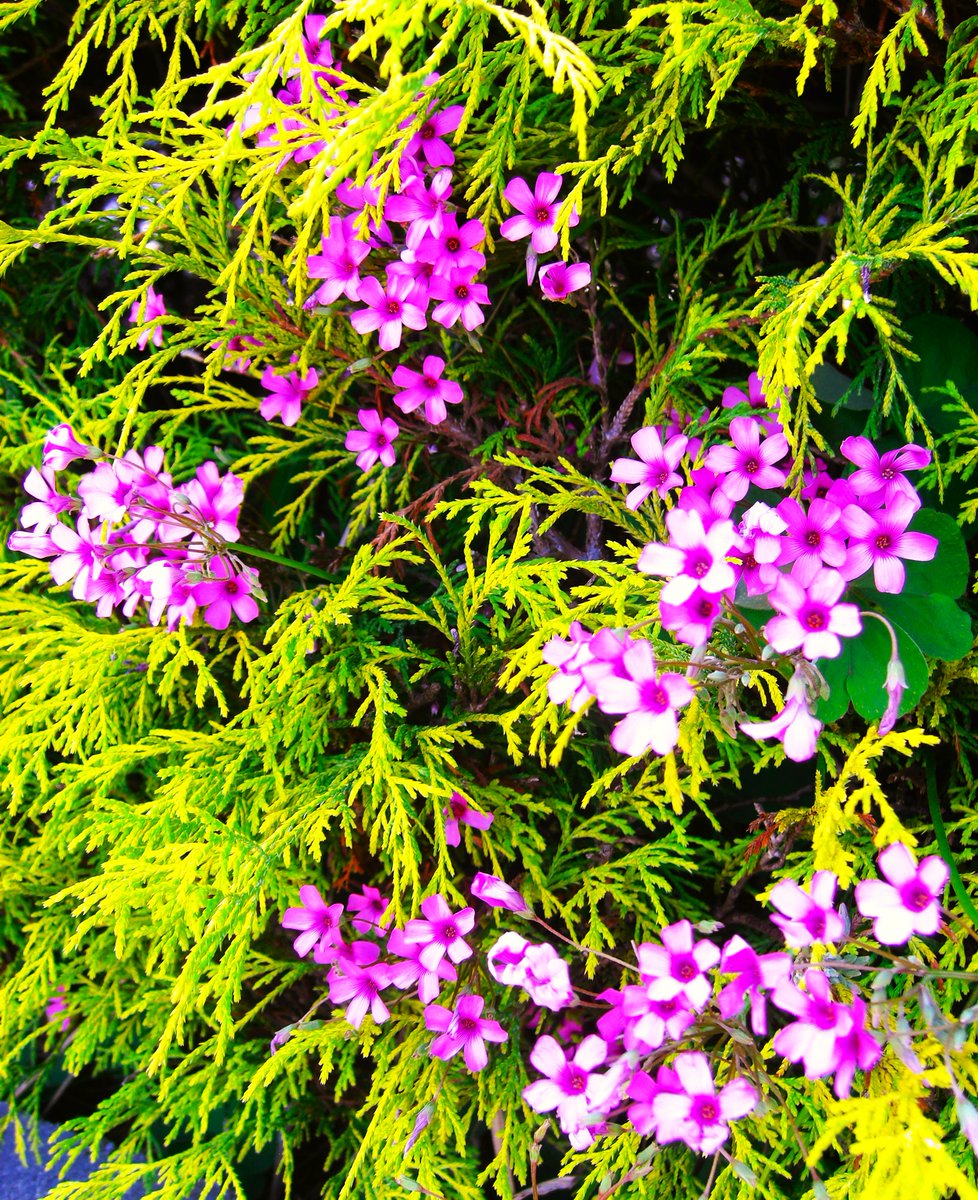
(909, 902)
(374, 441)
(465, 1029)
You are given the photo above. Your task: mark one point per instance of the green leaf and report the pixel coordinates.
(869, 655)
(947, 572)
(835, 672)
(939, 627)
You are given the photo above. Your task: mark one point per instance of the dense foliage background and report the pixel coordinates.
(789, 188)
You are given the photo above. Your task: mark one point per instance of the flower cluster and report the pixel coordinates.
(130, 536)
(730, 542)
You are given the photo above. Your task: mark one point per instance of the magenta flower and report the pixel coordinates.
(374, 441)
(428, 141)
(370, 906)
(410, 970)
(828, 1036)
(286, 394)
(807, 917)
(492, 890)
(752, 972)
(224, 591)
(880, 540)
(570, 1086)
(656, 470)
(460, 299)
(388, 310)
(678, 966)
(600, 652)
(813, 538)
(142, 312)
(317, 920)
(441, 932)
(559, 279)
(648, 1022)
(910, 901)
(459, 811)
(760, 548)
(880, 478)
(453, 247)
(422, 208)
(812, 620)
(650, 701)
(426, 387)
(339, 263)
(698, 1115)
(767, 410)
(537, 211)
(749, 461)
(216, 499)
(464, 1029)
(694, 557)
(692, 621)
(357, 980)
(62, 447)
(57, 1007)
(644, 1089)
(81, 555)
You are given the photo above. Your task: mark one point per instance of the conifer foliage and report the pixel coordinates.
(486, 662)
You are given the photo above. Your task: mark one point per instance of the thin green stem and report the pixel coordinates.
(944, 846)
(302, 568)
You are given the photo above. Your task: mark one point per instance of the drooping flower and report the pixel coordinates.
(460, 811)
(286, 394)
(537, 211)
(537, 968)
(62, 447)
(426, 387)
(807, 917)
(760, 548)
(812, 619)
(316, 920)
(42, 514)
(495, 892)
(656, 470)
(440, 932)
(374, 440)
(464, 1029)
(910, 901)
(880, 540)
(559, 279)
(698, 1115)
(795, 726)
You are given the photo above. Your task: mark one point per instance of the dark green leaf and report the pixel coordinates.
(939, 627)
(869, 656)
(947, 572)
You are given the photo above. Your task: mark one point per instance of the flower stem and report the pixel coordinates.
(302, 568)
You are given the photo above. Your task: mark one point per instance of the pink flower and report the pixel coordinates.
(459, 811)
(357, 981)
(692, 621)
(879, 541)
(910, 902)
(374, 441)
(698, 1115)
(464, 1029)
(412, 971)
(559, 279)
(422, 208)
(225, 590)
(370, 906)
(647, 1021)
(657, 469)
(453, 247)
(428, 141)
(828, 1036)
(492, 890)
(752, 972)
(880, 478)
(694, 557)
(317, 920)
(649, 700)
(537, 211)
(570, 1085)
(48, 504)
(388, 310)
(460, 299)
(286, 394)
(767, 410)
(748, 461)
(812, 619)
(760, 548)
(142, 312)
(807, 917)
(57, 1007)
(62, 447)
(339, 263)
(216, 499)
(794, 726)
(441, 932)
(426, 387)
(678, 966)
(813, 538)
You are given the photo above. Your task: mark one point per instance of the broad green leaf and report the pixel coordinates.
(869, 655)
(939, 627)
(835, 672)
(947, 572)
